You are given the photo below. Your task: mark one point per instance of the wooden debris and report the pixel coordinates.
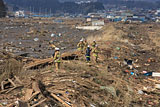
(153, 80)
(40, 102)
(34, 96)
(60, 100)
(40, 62)
(22, 104)
(10, 84)
(28, 94)
(37, 63)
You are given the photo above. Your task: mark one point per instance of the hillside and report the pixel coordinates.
(55, 6)
(2, 9)
(131, 3)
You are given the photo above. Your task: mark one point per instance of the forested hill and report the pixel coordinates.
(55, 6)
(2, 9)
(146, 4)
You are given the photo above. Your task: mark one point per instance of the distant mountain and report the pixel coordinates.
(131, 3)
(112, 0)
(55, 6)
(77, 0)
(2, 9)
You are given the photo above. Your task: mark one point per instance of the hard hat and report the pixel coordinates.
(94, 40)
(96, 45)
(81, 40)
(57, 49)
(88, 46)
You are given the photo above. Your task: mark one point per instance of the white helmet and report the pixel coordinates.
(57, 49)
(88, 46)
(81, 40)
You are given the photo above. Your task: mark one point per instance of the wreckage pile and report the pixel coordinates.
(127, 74)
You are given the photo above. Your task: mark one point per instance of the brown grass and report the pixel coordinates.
(9, 66)
(109, 32)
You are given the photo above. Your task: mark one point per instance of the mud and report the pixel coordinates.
(16, 36)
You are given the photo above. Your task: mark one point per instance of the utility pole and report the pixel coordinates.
(30, 10)
(46, 12)
(39, 11)
(50, 12)
(33, 10)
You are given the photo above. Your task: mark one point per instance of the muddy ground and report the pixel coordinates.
(32, 36)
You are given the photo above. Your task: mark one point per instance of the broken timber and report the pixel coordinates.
(34, 96)
(65, 56)
(10, 84)
(60, 100)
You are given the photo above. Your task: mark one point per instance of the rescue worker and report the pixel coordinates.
(57, 58)
(85, 45)
(88, 54)
(95, 52)
(94, 44)
(80, 46)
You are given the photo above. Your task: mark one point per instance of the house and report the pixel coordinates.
(157, 20)
(141, 17)
(58, 21)
(90, 19)
(117, 19)
(98, 23)
(134, 20)
(19, 14)
(97, 15)
(126, 15)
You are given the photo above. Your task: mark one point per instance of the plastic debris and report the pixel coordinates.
(140, 92)
(20, 43)
(155, 74)
(128, 62)
(59, 34)
(52, 35)
(92, 105)
(157, 86)
(118, 48)
(115, 57)
(132, 73)
(4, 103)
(36, 39)
(148, 73)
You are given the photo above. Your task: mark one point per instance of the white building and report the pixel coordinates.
(98, 23)
(19, 14)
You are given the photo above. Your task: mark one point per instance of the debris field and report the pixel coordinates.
(127, 72)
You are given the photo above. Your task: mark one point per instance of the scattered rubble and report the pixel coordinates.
(127, 73)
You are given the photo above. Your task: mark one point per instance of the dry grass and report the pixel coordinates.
(109, 32)
(10, 66)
